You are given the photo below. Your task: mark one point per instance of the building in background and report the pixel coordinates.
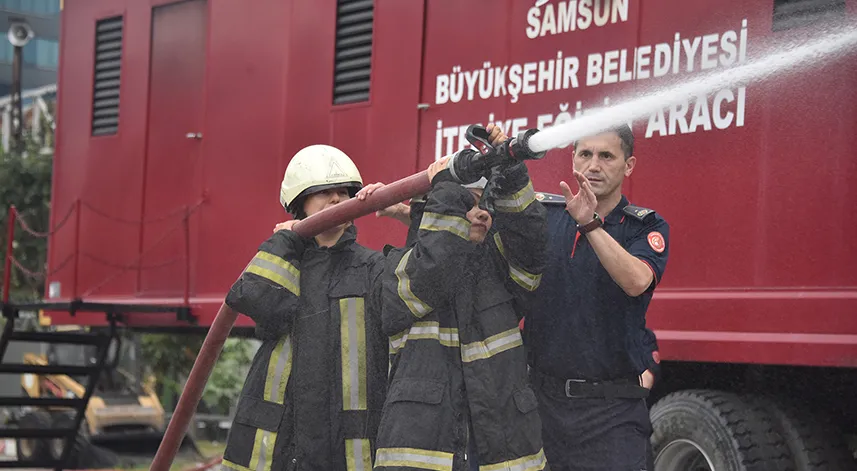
(40, 59)
(42, 53)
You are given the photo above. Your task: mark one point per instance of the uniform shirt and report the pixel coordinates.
(583, 325)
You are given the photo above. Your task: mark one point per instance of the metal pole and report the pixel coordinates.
(349, 210)
(76, 249)
(187, 257)
(7, 264)
(17, 113)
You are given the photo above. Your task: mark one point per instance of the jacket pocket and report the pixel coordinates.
(416, 390)
(254, 430)
(491, 292)
(350, 283)
(525, 400)
(525, 427)
(259, 413)
(415, 415)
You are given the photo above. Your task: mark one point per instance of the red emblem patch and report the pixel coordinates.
(657, 357)
(656, 241)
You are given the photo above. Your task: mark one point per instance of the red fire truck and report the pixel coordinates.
(177, 119)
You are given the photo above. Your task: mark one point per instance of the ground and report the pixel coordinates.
(184, 459)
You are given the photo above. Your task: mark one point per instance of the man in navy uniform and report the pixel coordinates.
(592, 359)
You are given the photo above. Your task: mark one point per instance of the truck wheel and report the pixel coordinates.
(699, 430)
(79, 444)
(33, 448)
(816, 443)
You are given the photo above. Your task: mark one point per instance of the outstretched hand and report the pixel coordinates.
(367, 190)
(285, 226)
(580, 206)
(399, 211)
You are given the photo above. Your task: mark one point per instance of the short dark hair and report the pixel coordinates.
(626, 136)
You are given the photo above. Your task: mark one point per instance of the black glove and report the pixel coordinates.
(513, 176)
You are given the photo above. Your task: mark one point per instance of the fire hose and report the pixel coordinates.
(465, 166)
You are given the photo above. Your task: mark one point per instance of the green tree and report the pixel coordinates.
(25, 181)
(171, 358)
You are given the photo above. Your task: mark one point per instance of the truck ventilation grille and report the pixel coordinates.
(108, 58)
(790, 14)
(353, 51)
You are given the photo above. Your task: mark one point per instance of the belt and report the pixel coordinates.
(624, 388)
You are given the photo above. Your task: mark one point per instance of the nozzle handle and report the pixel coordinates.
(478, 136)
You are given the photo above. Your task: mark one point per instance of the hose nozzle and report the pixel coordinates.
(519, 148)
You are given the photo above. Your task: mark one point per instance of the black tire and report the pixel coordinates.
(80, 445)
(30, 449)
(700, 429)
(815, 441)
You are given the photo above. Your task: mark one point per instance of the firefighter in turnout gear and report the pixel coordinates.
(313, 396)
(458, 396)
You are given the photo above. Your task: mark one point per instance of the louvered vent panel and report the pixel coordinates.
(353, 66)
(796, 13)
(108, 60)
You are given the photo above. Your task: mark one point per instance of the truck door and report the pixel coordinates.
(173, 166)
(445, 54)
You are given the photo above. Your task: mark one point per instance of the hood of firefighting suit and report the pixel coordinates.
(316, 168)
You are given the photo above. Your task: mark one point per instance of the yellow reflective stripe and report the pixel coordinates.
(279, 369)
(492, 345)
(426, 330)
(535, 462)
(263, 450)
(276, 379)
(235, 466)
(353, 349)
(358, 456)
(414, 458)
(523, 278)
(517, 202)
(442, 222)
(415, 305)
(277, 270)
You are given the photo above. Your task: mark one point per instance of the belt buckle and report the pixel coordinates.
(568, 382)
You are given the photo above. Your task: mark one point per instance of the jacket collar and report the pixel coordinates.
(348, 237)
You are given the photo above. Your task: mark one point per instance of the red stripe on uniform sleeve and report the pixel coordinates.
(654, 273)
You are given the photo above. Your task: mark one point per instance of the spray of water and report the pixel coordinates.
(597, 121)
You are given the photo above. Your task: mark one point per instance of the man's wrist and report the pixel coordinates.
(590, 225)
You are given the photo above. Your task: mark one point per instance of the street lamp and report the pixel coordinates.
(20, 33)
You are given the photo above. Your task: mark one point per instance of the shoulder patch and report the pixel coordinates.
(550, 198)
(637, 212)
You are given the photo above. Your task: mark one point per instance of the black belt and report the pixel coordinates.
(626, 388)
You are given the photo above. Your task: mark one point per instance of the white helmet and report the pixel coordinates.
(316, 168)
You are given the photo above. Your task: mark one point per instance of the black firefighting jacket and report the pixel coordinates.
(450, 307)
(313, 396)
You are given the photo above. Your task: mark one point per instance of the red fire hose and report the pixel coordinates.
(391, 194)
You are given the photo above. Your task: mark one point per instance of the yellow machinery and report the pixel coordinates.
(121, 410)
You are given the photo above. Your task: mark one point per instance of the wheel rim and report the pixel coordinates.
(57, 446)
(26, 446)
(683, 455)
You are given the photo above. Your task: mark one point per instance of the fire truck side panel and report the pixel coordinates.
(755, 179)
(262, 100)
